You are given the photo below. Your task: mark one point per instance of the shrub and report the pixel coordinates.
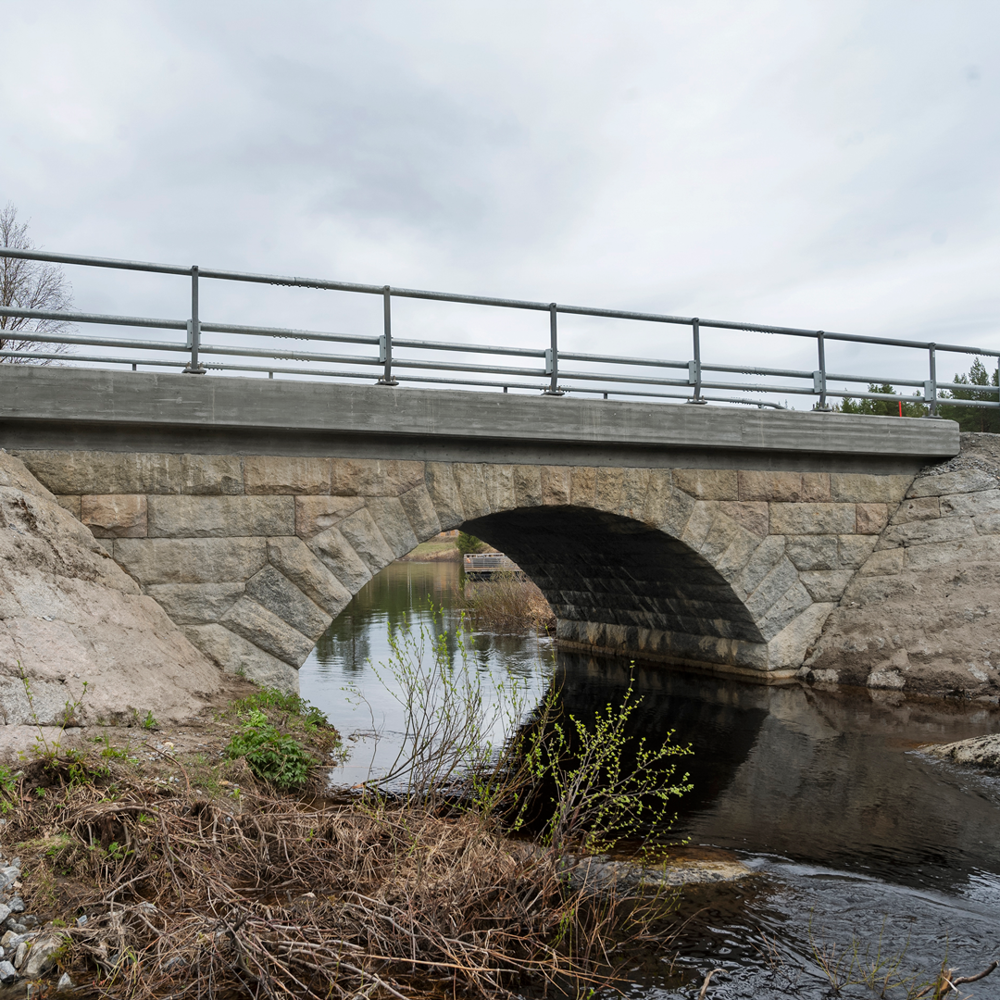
(272, 756)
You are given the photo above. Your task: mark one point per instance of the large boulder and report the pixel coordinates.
(922, 614)
(79, 642)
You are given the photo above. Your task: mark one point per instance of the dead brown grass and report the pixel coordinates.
(282, 897)
(508, 603)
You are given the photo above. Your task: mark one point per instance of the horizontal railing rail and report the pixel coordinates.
(555, 373)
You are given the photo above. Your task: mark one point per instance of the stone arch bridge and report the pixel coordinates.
(253, 510)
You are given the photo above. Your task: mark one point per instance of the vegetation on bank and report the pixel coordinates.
(234, 870)
(983, 387)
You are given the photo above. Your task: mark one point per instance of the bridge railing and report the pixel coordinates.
(392, 359)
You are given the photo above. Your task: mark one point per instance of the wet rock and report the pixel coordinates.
(16, 927)
(16, 905)
(980, 751)
(5, 912)
(9, 875)
(8, 974)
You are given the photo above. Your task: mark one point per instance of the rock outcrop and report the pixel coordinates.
(78, 639)
(922, 614)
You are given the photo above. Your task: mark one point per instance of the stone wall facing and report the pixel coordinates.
(253, 556)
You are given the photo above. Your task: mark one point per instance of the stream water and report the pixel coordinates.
(861, 847)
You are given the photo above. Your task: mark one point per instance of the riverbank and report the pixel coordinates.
(149, 858)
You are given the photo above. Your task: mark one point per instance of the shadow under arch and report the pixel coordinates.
(617, 583)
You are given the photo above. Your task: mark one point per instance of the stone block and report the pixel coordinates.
(362, 532)
(699, 524)
(918, 509)
(676, 512)
(988, 524)
(826, 584)
(814, 552)
(374, 477)
(233, 654)
(980, 548)
(286, 475)
(962, 481)
(15, 475)
(499, 481)
(471, 488)
(292, 557)
(421, 513)
(789, 648)
(944, 529)
(583, 486)
(782, 576)
(970, 504)
(268, 632)
(220, 517)
(885, 562)
(812, 518)
(610, 490)
(443, 492)
(70, 503)
(708, 484)
(785, 610)
(314, 514)
(275, 592)
(872, 518)
(528, 485)
(742, 546)
(195, 603)
(393, 524)
(115, 515)
(635, 486)
(754, 516)
(659, 495)
(785, 487)
(854, 487)
(190, 560)
(556, 485)
(770, 551)
(721, 534)
(854, 549)
(83, 472)
(335, 552)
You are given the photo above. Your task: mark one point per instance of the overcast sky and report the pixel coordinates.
(831, 164)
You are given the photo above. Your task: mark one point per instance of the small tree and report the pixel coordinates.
(974, 418)
(883, 407)
(29, 284)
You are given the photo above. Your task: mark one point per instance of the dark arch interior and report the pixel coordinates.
(599, 567)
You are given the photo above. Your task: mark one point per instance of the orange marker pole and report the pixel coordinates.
(900, 407)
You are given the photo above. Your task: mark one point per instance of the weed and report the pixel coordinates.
(282, 701)
(272, 756)
(149, 723)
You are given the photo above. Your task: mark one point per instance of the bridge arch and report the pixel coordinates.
(255, 555)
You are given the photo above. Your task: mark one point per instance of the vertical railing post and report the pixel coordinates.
(819, 377)
(552, 354)
(193, 367)
(694, 367)
(930, 386)
(385, 341)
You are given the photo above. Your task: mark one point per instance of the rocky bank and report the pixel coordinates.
(79, 642)
(921, 614)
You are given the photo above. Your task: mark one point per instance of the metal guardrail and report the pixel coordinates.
(552, 378)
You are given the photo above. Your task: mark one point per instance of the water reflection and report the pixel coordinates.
(852, 831)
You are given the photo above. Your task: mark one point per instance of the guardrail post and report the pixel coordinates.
(694, 367)
(819, 377)
(552, 356)
(385, 341)
(193, 367)
(930, 386)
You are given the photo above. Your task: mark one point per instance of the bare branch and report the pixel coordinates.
(29, 284)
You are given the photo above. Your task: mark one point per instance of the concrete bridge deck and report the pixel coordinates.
(252, 509)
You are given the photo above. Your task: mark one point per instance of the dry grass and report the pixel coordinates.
(508, 603)
(283, 897)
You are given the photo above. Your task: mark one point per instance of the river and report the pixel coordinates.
(855, 839)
